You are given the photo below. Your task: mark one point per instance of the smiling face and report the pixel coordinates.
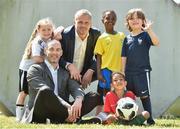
(82, 25)
(118, 81)
(53, 52)
(135, 22)
(45, 31)
(109, 20)
(135, 19)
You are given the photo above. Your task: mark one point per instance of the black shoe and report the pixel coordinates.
(150, 122)
(93, 120)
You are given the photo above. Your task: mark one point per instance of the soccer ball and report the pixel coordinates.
(126, 108)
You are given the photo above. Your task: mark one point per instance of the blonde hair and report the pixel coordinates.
(140, 14)
(28, 49)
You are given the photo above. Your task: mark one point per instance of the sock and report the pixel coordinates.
(147, 107)
(19, 112)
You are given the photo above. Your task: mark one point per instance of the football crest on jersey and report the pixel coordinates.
(129, 40)
(139, 41)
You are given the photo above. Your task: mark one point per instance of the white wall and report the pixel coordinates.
(18, 18)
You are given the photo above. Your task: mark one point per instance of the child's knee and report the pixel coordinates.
(22, 94)
(144, 97)
(146, 114)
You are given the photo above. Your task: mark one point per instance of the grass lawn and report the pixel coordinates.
(9, 123)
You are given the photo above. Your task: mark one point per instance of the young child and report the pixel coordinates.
(34, 53)
(108, 52)
(135, 57)
(118, 85)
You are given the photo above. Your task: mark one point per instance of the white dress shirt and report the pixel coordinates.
(79, 51)
(54, 75)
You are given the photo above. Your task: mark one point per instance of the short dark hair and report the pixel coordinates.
(111, 11)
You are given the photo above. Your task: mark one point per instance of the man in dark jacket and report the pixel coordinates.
(78, 43)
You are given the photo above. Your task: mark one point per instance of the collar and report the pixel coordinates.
(50, 66)
(77, 36)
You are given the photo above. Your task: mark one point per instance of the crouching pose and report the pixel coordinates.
(49, 90)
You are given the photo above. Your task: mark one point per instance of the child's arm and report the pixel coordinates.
(57, 33)
(38, 59)
(123, 64)
(148, 29)
(100, 77)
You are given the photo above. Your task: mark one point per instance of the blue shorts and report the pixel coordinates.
(139, 84)
(106, 73)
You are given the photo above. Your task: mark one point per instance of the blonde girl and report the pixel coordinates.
(34, 53)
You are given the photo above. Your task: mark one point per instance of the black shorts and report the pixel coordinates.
(102, 92)
(23, 84)
(139, 84)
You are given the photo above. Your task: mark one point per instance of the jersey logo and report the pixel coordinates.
(139, 41)
(143, 91)
(129, 40)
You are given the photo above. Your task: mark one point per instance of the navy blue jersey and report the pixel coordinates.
(136, 50)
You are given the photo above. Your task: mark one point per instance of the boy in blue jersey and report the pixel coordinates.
(135, 57)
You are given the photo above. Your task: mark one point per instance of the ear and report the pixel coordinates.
(61, 53)
(125, 83)
(111, 84)
(102, 21)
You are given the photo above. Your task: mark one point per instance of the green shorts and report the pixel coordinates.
(138, 120)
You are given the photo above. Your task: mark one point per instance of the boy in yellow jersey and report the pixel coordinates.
(108, 52)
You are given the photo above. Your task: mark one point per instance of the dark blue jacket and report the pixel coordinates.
(68, 45)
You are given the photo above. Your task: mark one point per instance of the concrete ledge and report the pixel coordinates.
(173, 110)
(4, 110)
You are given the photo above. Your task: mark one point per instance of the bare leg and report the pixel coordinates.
(20, 105)
(99, 109)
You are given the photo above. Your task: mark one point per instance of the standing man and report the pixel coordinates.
(78, 43)
(49, 90)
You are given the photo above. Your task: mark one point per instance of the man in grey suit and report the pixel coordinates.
(49, 90)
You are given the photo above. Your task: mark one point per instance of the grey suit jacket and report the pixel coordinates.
(39, 75)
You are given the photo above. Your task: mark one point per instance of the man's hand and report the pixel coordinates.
(87, 78)
(70, 118)
(76, 107)
(74, 72)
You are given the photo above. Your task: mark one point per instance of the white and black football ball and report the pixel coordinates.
(126, 108)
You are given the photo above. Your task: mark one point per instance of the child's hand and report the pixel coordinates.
(111, 118)
(100, 78)
(57, 33)
(148, 25)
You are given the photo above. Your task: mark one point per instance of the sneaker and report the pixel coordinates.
(93, 120)
(150, 122)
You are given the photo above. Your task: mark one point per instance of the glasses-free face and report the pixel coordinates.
(135, 22)
(53, 52)
(118, 82)
(109, 20)
(45, 31)
(82, 25)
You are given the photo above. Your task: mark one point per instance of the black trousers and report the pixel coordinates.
(47, 105)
